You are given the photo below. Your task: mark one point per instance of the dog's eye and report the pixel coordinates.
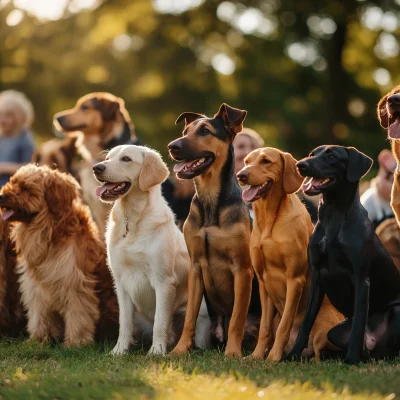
(84, 107)
(332, 157)
(204, 131)
(125, 159)
(265, 161)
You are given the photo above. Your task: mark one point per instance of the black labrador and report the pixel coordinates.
(348, 262)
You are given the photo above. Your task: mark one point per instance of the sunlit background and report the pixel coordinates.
(307, 73)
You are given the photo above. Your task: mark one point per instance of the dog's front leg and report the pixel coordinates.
(242, 292)
(126, 321)
(316, 296)
(165, 301)
(195, 294)
(38, 309)
(295, 285)
(267, 316)
(361, 306)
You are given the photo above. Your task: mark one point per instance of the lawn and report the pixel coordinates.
(32, 371)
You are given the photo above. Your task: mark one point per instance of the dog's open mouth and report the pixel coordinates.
(190, 169)
(313, 186)
(109, 191)
(8, 214)
(394, 128)
(253, 193)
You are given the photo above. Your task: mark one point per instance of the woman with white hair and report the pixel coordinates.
(16, 139)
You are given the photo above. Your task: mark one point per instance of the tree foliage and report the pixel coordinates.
(308, 72)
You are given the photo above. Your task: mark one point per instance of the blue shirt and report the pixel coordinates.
(16, 149)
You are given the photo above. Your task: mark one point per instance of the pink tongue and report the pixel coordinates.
(101, 189)
(394, 130)
(6, 214)
(179, 167)
(249, 194)
(311, 183)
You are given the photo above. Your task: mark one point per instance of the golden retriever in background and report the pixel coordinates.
(146, 250)
(104, 123)
(12, 318)
(66, 287)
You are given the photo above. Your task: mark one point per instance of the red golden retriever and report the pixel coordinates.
(66, 287)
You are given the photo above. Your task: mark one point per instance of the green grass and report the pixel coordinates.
(32, 371)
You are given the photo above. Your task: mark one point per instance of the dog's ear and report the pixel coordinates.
(359, 164)
(189, 117)
(291, 177)
(60, 192)
(382, 112)
(153, 172)
(108, 108)
(233, 118)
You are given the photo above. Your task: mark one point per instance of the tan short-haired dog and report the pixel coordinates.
(278, 249)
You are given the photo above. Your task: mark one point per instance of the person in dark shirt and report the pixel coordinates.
(16, 139)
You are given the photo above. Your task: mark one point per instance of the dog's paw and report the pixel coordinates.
(118, 349)
(157, 350)
(233, 353)
(257, 354)
(351, 360)
(275, 355)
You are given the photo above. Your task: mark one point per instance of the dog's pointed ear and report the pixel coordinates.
(359, 164)
(189, 117)
(291, 177)
(233, 118)
(108, 108)
(383, 116)
(153, 172)
(61, 190)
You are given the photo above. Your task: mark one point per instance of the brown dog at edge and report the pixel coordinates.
(217, 230)
(389, 118)
(278, 249)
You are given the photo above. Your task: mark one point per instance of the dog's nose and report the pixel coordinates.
(175, 146)
(2, 198)
(100, 167)
(394, 99)
(302, 166)
(243, 176)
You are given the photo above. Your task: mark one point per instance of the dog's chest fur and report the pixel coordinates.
(218, 243)
(139, 261)
(49, 267)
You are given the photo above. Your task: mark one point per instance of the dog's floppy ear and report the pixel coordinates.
(189, 117)
(60, 191)
(153, 172)
(233, 118)
(382, 112)
(291, 178)
(108, 108)
(359, 164)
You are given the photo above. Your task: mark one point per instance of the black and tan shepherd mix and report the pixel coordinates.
(217, 230)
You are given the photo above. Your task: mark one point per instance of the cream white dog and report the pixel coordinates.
(146, 251)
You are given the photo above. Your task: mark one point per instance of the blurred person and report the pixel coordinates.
(16, 139)
(244, 143)
(376, 199)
